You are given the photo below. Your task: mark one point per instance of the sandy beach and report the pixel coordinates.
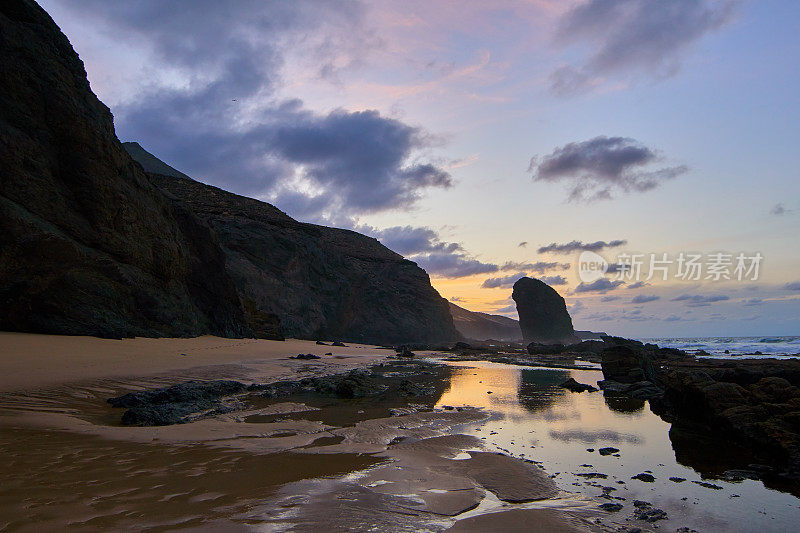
(69, 462)
(34, 361)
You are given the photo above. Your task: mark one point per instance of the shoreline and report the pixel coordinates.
(58, 385)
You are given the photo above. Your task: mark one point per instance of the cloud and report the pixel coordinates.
(610, 298)
(554, 280)
(752, 301)
(449, 265)
(577, 246)
(643, 298)
(457, 299)
(793, 286)
(602, 285)
(699, 300)
(779, 209)
(506, 310)
(213, 110)
(424, 246)
(523, 244)
(539, 266)
(502, 282)
(410, 240)
(359, 161)
(673, 318)
(601, 166)
(626, 38)
(576, 307)
(637, 285)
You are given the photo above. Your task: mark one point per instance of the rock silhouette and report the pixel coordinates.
(543, 315)
(92, 244)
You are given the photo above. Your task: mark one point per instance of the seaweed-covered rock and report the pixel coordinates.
(175, 404)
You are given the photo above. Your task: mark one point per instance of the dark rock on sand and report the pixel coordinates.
(611, 507)
(320, 343)
(574, 386)
(175, 404)
(645, 511)
(88, 244)
(354, 384)
(707, 485)
(403, 351)
(305, 356)
(677, 479)
(543, 315)
(647, 478)
(338, 344)
(608, 450)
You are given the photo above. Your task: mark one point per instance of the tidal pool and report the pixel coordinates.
(534, 418)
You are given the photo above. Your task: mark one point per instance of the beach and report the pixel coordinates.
(274, 463)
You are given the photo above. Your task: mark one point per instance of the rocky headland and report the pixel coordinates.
(92, 244)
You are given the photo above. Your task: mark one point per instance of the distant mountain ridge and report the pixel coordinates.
(483, 326)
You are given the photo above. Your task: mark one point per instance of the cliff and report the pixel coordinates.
(92, 244)
(322, 283)
(88, 245)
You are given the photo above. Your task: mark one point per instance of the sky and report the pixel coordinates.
(490, 140)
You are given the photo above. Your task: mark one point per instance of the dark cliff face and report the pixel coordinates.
(88, 245)
(322, 283)
(543, 314)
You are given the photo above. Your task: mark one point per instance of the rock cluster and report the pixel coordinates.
(754, 403)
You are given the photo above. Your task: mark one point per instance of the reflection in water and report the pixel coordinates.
(539, 390)
(623, 404)
(536, 419)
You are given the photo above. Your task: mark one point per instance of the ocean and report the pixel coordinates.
(735, 346)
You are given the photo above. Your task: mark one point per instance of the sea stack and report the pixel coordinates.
(543, 315)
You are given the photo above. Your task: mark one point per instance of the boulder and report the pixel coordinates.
(623, 364)
(543, 315)
(574, 386)
(175, 404)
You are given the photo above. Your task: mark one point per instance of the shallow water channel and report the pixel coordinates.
(534, 418)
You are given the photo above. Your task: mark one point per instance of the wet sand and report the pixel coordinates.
(276, 465)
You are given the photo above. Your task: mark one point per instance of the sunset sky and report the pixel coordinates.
(485, 140)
